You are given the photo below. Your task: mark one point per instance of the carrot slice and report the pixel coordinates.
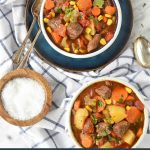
(113, 134)
(110, 10)
(49, 4)
(84, 5)
(130, 98)
(96, 11)
(101, 104)
(133, 114)
(86, 140)
(139, 133)
(109, 36)
(119, 94)
(56, 37)
(105, 19)
(77, 105)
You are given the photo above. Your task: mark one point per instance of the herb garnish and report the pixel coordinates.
(59, 10)
(100, 103)
(111, 139)
(94, 119)
(91, 17)
(98, 3)
(121, 100)
(81, 16)
(68, 10)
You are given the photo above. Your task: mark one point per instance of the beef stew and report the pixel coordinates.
(80, 26)
(107, 114)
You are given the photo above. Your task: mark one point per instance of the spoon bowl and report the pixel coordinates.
(142, 51)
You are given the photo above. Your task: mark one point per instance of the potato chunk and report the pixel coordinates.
(79, 118)
(117, 113)
(107, 145)
(129, 137)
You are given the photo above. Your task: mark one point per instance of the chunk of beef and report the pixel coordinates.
(104, 91)
(55, 23)
(74, 30)
(59, 2)
(103, 129)
(120, 128)
(88, 126)
(93, 43)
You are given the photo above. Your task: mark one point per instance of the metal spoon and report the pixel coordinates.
(142, 51)
(35, 11)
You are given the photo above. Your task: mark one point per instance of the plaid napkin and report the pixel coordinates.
(51, 131)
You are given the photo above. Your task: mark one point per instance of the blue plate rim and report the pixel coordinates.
(82, 70)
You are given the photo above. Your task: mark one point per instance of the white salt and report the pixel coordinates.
(23, 98)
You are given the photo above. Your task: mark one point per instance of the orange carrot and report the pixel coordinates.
(49, 4)
(77, 105)
(113, 134)
(100, 103)
(84, 5)
(98, 115)
(105, 19)
(133, 114)
(56, 37)
(110, 10)
(85, 41)
(139, 133)
(119, 94)
(109, 36)
(86, 140)
(96, 11)
(130, 98)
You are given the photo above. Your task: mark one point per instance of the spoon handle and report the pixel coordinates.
(17, 55)
(24, 60)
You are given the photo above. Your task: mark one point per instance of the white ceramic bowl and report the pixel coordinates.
(146, 118)
(52, 44)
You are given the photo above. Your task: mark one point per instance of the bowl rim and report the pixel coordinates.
(100, 79)
(26, 73)
(55, 47)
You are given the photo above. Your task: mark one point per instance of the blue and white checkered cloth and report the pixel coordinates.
(50, 132)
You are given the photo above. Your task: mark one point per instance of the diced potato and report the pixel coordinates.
(79, 118)
(107, 145)
(117, 113)
(129, 137)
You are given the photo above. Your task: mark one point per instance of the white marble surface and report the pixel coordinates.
(141, 9)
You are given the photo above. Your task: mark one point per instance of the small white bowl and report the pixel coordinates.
(55, 47)
(146, 118)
